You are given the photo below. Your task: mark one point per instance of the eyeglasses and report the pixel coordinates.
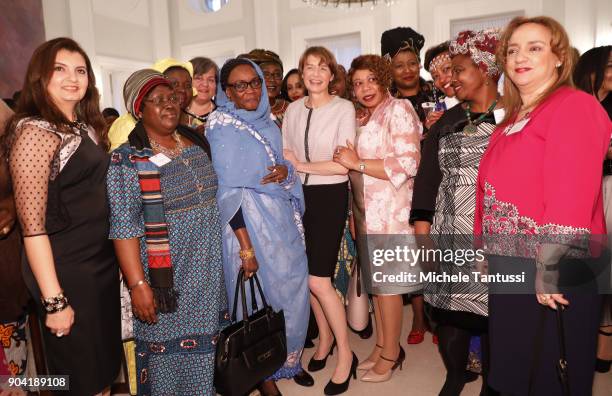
(241, 86)
(160, 101)
(274, 76)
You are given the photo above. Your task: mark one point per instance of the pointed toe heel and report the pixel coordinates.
(372, 376)
(367, 364)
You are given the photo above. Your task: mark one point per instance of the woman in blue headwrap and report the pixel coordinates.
(261, 204)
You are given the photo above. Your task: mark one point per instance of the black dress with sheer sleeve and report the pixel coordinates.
(60, 191)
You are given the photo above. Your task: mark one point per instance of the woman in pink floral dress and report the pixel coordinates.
(382, 169)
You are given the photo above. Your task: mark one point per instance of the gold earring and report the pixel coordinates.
(558, 65)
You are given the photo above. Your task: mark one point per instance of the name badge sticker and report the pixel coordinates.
(517, 127)
(160, 159)
(499, 115)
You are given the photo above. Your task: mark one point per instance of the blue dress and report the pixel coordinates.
(244, 144)
(176, 355)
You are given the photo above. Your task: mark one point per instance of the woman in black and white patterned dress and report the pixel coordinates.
(445, 198)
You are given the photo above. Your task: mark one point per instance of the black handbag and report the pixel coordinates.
(253, 349)
(562, 366)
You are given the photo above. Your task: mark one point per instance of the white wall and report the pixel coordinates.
(120, 35)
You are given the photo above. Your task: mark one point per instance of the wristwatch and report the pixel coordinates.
(362, 167)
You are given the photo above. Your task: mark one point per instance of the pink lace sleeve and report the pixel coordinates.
(31, 161)
(403, 144)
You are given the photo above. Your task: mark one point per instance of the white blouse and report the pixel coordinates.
(327, 127)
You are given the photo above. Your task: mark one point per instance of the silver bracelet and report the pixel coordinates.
(55, 304)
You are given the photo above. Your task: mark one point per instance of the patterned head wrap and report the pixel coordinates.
(480, 46)
(438, 61)
(138, 85)
(261, 56)
(400, 39)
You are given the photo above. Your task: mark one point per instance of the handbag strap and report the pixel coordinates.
(254, 306)
(240, 291)
(562, 365)
(245, 314)
(537, 351)
(261, 293)
(358, 275)
(236, 291)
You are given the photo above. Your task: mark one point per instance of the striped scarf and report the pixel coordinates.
(156, 228)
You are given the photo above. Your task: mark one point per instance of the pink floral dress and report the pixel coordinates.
(382, 207)
(392, 134)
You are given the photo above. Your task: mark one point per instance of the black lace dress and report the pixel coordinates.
(60, 191)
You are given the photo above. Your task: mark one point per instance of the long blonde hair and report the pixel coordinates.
(560, 46)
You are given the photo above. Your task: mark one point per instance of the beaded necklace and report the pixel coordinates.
(471, 127)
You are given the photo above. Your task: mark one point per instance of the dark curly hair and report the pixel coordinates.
(374, 63)
(230, 65)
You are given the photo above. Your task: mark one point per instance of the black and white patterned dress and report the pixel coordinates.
(444, 195)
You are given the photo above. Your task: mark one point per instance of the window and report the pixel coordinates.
(207, 5)
(483, 22)
(345, 47)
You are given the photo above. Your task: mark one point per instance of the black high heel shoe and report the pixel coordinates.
(602, 366)
(303, 378)
(316, 364)
(335, 389)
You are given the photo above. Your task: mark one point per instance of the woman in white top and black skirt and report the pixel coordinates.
(313, 126)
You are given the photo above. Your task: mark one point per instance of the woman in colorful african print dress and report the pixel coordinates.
(165, 223)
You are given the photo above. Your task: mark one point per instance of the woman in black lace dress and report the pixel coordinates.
(58, 164)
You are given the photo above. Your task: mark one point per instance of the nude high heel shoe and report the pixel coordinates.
(367, 364)
(372, 376)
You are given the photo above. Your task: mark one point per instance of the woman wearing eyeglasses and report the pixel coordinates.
(272, 68)
(261, 205)
(167, 236)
